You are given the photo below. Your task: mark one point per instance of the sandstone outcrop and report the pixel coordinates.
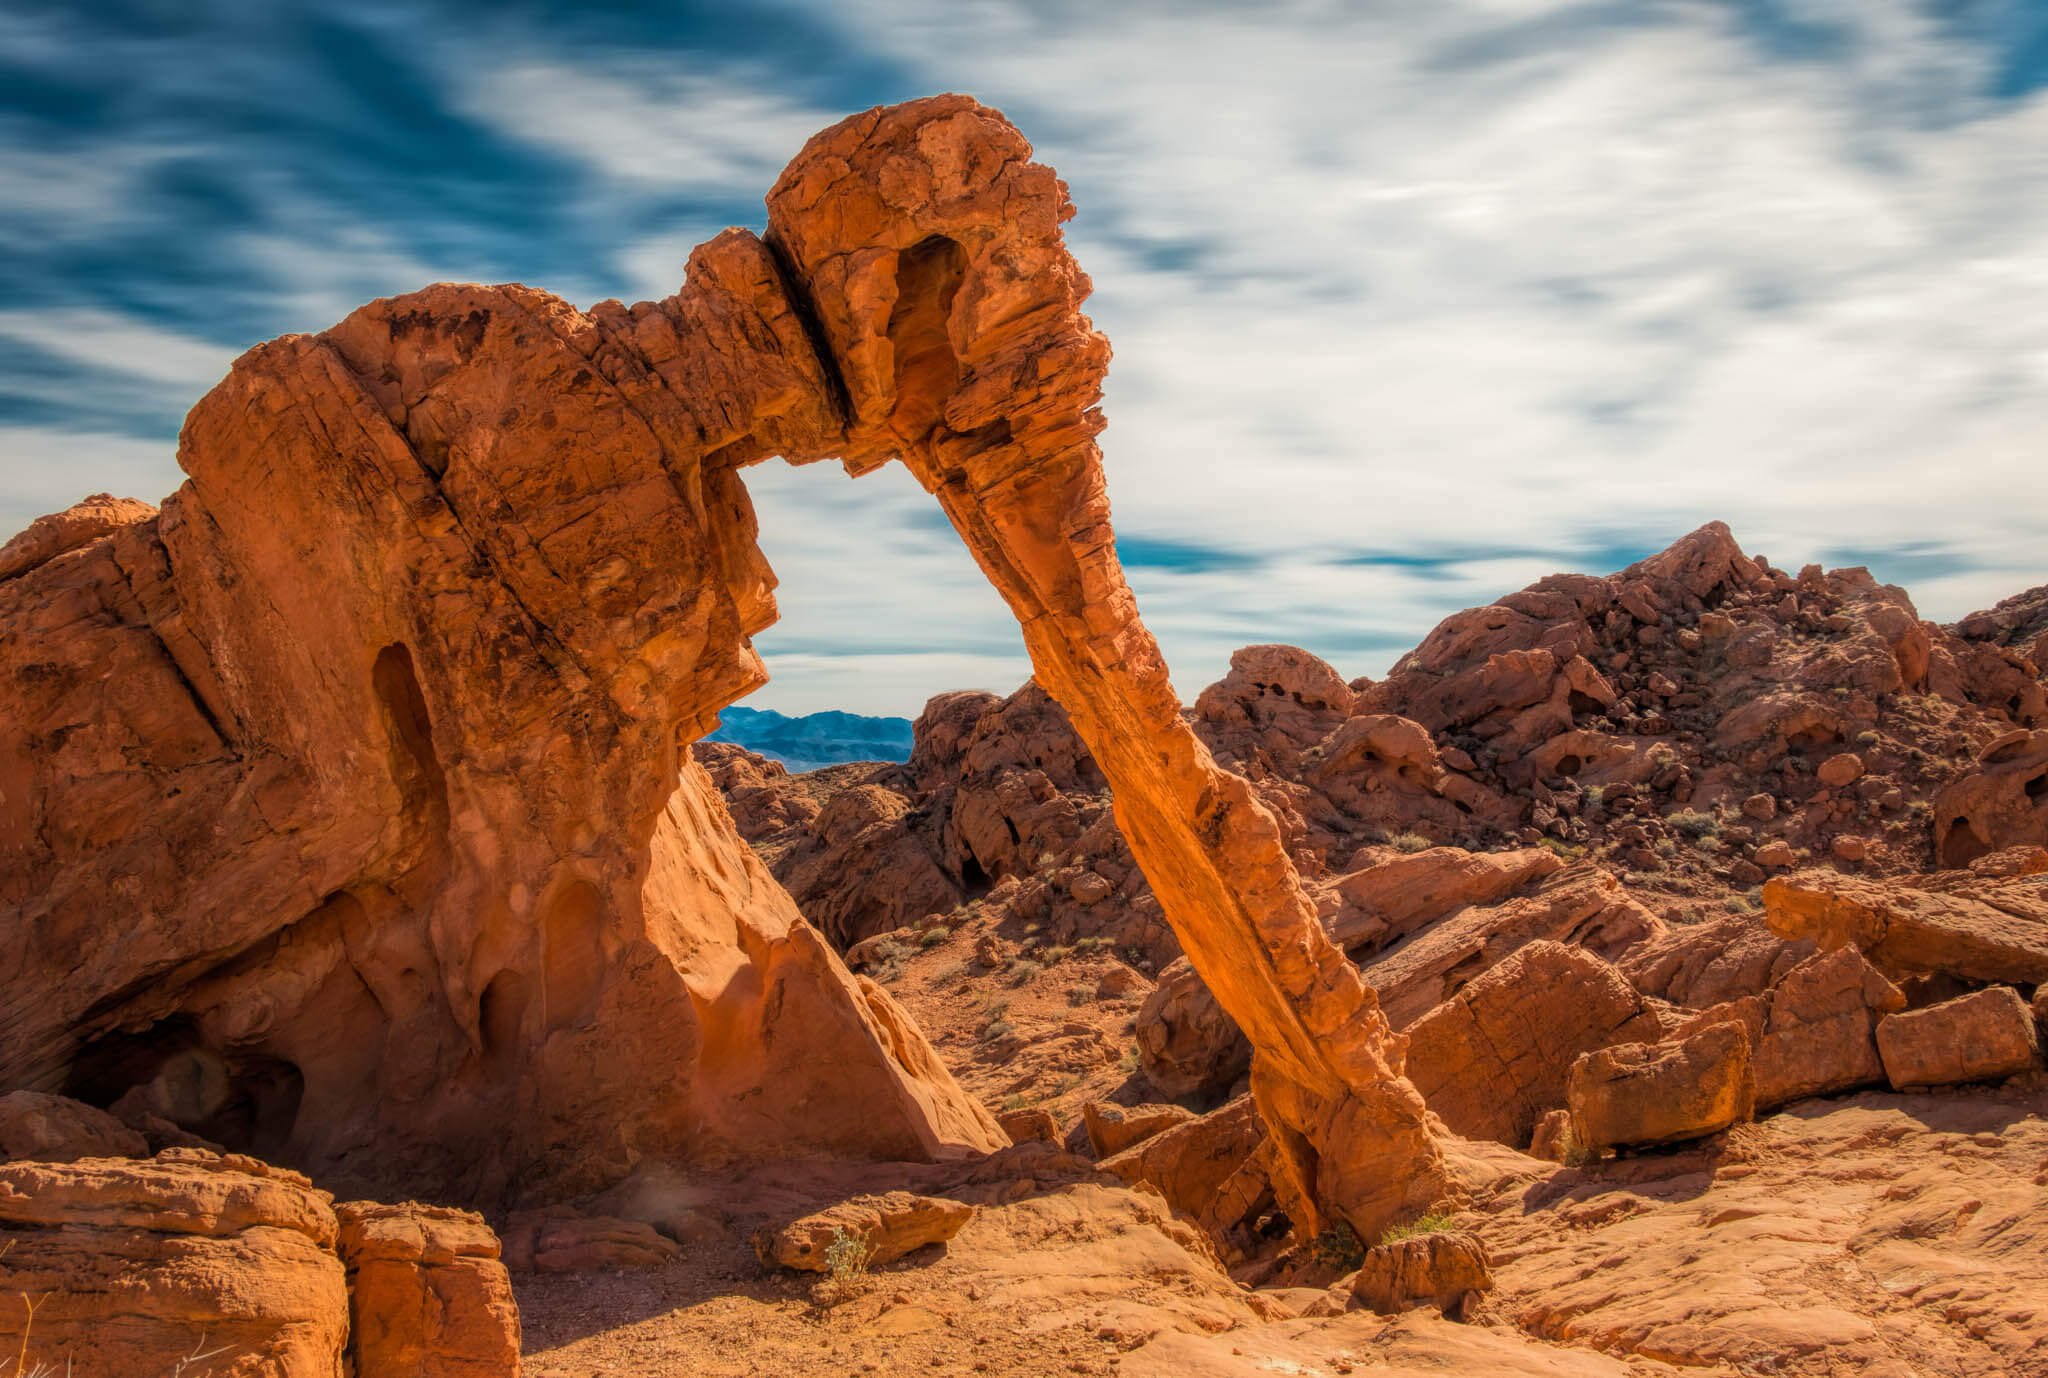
(425, 786)
(888, 1226)
(1976, 927)
(2002, 803)
(134, 1266)
(52, 1129)
(1114, 1128)
(1816, 1030)
(428, 1297)
(1187, 1045)
(1642, 1094)
(1493, 1058)
(562, 1239)
(929, 251)
(1445, 1268)
(1978, 1037)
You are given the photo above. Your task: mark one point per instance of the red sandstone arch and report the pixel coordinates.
(450, 588)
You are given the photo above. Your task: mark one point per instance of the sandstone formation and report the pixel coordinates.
(449, 811)
(1978, 1037)
(428, 1297)
(52, 1129)
(132, 1267)
(446, 812)
(562, 1239)
(1114, 1128)
(1445, 1268)
(2002, 803)
(1493, 1058)
(1976, 927)
(1638, 1094)
(887, 1227)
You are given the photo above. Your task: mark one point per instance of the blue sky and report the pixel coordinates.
(1412, 302)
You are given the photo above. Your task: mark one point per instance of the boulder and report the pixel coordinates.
(1388, 900)
(428, 1297)
(1982, 1036)
(1581, 906)
(891, 1224)
(1552, 1138)
(1191, 1161)
(1114, 1128)
(1494, 1057)
(53, 1129)
(1187, 1045)
(1034, 1122)
(1959, 924)
(2003, 802)
(561, 1239)
(1707, 964)
(1641, 1094)
(1444, 1269)
(1819, 1029)
(189, 1259)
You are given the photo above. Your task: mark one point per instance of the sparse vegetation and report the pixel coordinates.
(1666, 848)
(1338, 1247)
(1080, 995)
(1694, 822)
(1594, 794)
(1129, 1061)
(1435, 1222)
(1090, 946)
(1023, 971)
(1563, 849)
(933, 936)
(1412, 842)
(846, 1263)
(1866, 737)
(997, 1029)
(1051, 955)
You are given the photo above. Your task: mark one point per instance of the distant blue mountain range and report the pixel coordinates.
(815, 739)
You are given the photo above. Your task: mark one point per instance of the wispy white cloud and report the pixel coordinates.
(49, 469)
(1492, 287)
(649, 122)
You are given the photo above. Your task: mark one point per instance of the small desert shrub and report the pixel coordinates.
(1866, 738)
(1016, 1101)
(958, 971)
(1693, 822)
(1129, 1062)
(1090, 946)
(1080, 995)
(1412, 842)
(846, 1262)
(1562, 849)
(1055, 954)
(1707, 844)
(1436, 1222)
(1000, 1028)
(1594, 794)
(933, 936)
(1739, 904)
(1338, 1247)
(1023, 972)
(1666, 848)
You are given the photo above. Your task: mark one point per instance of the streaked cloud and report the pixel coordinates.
(1412, 303)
